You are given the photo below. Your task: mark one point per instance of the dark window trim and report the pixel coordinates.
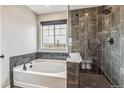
(55, 22)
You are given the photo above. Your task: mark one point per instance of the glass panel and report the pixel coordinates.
(48, 41)
(83, 34)
(51, 27)
(57, 26)
(51, 32)
(63, 31)
(60, 41)
(45, 27)
(57, 31)
(45, 33)
(63, 26)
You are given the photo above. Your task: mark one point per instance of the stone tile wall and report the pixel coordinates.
(111, 53)
(51, 55)
(122, 45)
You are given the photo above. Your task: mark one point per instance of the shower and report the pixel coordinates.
(107, 11)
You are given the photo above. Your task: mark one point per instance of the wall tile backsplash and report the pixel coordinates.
(45, 55)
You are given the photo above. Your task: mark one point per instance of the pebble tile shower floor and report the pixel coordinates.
(93, 81)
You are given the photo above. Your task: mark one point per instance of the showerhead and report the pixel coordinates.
(107, 11)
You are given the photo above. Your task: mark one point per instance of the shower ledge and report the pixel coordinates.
(74, 58)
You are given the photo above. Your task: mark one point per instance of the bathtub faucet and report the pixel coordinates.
(24, 67)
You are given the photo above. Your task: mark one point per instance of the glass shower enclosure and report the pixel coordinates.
(94, 32)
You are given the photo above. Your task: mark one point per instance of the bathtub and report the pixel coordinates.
(44, 73)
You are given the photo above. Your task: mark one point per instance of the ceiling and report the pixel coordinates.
(46, 9)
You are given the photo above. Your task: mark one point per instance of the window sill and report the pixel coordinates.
(54, 50)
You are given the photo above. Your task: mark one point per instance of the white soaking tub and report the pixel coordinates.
(45, 73)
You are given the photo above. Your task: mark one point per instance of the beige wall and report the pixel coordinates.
(19, 35)
(53, 16)
(49, 17)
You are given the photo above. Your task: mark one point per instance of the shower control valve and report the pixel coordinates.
(111, 41)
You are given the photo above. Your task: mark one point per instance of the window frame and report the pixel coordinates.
(55, 22)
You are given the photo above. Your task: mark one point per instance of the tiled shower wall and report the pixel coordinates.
(90, 34)
(110, 57)
(122, 45)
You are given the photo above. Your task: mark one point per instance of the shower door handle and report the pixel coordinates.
(2, 56)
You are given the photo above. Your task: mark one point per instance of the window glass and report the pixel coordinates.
(57, 26)
(51, 32)
(57, 31)
(63, 25)
(63, 31)
(48, 42)
(45, 33)
(45, 27)
(54, 36)
(51, 26)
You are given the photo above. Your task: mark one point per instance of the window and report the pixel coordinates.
(54, 34)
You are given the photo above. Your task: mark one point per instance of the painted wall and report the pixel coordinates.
(19, 35)
(49, 17)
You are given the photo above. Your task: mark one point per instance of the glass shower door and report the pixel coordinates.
(83, 36)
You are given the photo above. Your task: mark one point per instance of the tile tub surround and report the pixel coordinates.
(52, 55)
(21, 59)
(73, 70)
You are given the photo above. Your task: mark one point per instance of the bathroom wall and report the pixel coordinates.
(19, 35)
